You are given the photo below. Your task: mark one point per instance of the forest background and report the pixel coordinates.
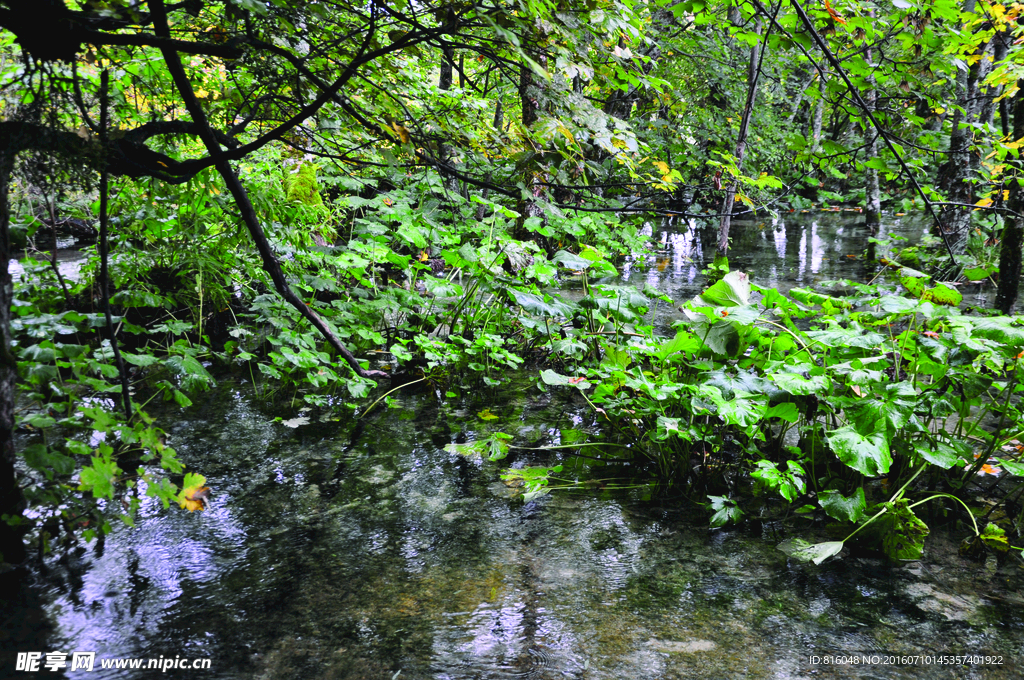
(336, 200)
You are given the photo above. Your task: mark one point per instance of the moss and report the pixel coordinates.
(301, 185)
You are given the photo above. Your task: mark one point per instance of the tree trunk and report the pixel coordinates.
(12, 501)
(527, 95)
(1013, 231)
(753, 71)
(872, 193)
(499, 117)
(986, 115)
(799, 99)
(955, 220)
(447, 61)
(819, 110)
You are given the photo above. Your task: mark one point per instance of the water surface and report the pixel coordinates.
(340, 548)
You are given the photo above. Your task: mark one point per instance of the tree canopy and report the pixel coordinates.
(353, 157)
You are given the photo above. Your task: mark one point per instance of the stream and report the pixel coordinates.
(346, 549)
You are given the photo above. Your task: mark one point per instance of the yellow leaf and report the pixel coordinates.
(662, 167)
(403, 134)
(984, 203)
(194, 498)
(486, 415)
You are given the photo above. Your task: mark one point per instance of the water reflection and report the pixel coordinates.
(337, 551)
(345, 550)
(69, 263)
(793, 250)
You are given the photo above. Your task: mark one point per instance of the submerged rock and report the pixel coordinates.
(687, 647)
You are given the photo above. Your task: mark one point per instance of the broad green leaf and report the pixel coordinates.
(799, 385)
(721, 338)
(1004, 329)
(786, 411)
(809, 297)
(869, 455)
(994, 536)
(978, 273)
(799, 549)
(46, 460)
(1014, 468)
(942, 294)
(903, 533)
(551, 378)
(726, 511)
(743, 412)
(940, 454)
(139, 359)
(683, 342)
(732, 290)
(838, 506)
(837, 336)
(575, 262)
(544, 305)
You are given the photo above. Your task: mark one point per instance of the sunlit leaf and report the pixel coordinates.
(799, 549)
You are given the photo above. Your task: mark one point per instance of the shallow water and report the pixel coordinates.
(348, 549)
(785, 252)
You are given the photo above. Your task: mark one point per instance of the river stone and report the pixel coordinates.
(688, 647)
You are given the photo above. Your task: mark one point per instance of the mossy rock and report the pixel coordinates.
(301, 185)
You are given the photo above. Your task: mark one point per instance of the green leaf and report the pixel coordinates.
(869, 454)
(941, 294)
(786, 411)
(940, 454)
(683, 342)
(1016, 469)
(575, 262)
(799, 549)
(44, 459)
(534, 479)
(744, 412)
(798, 385)
(722, 338)
(809, 297)
(139, 359)
(543, 305)
(726, 511)
(732, 290)
(838, 506)
(99, 477)
(903, 533)
(551, 378)
(978, 273)
(994, 536)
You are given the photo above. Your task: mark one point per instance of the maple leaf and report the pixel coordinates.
(834, 14)
(194, 496)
